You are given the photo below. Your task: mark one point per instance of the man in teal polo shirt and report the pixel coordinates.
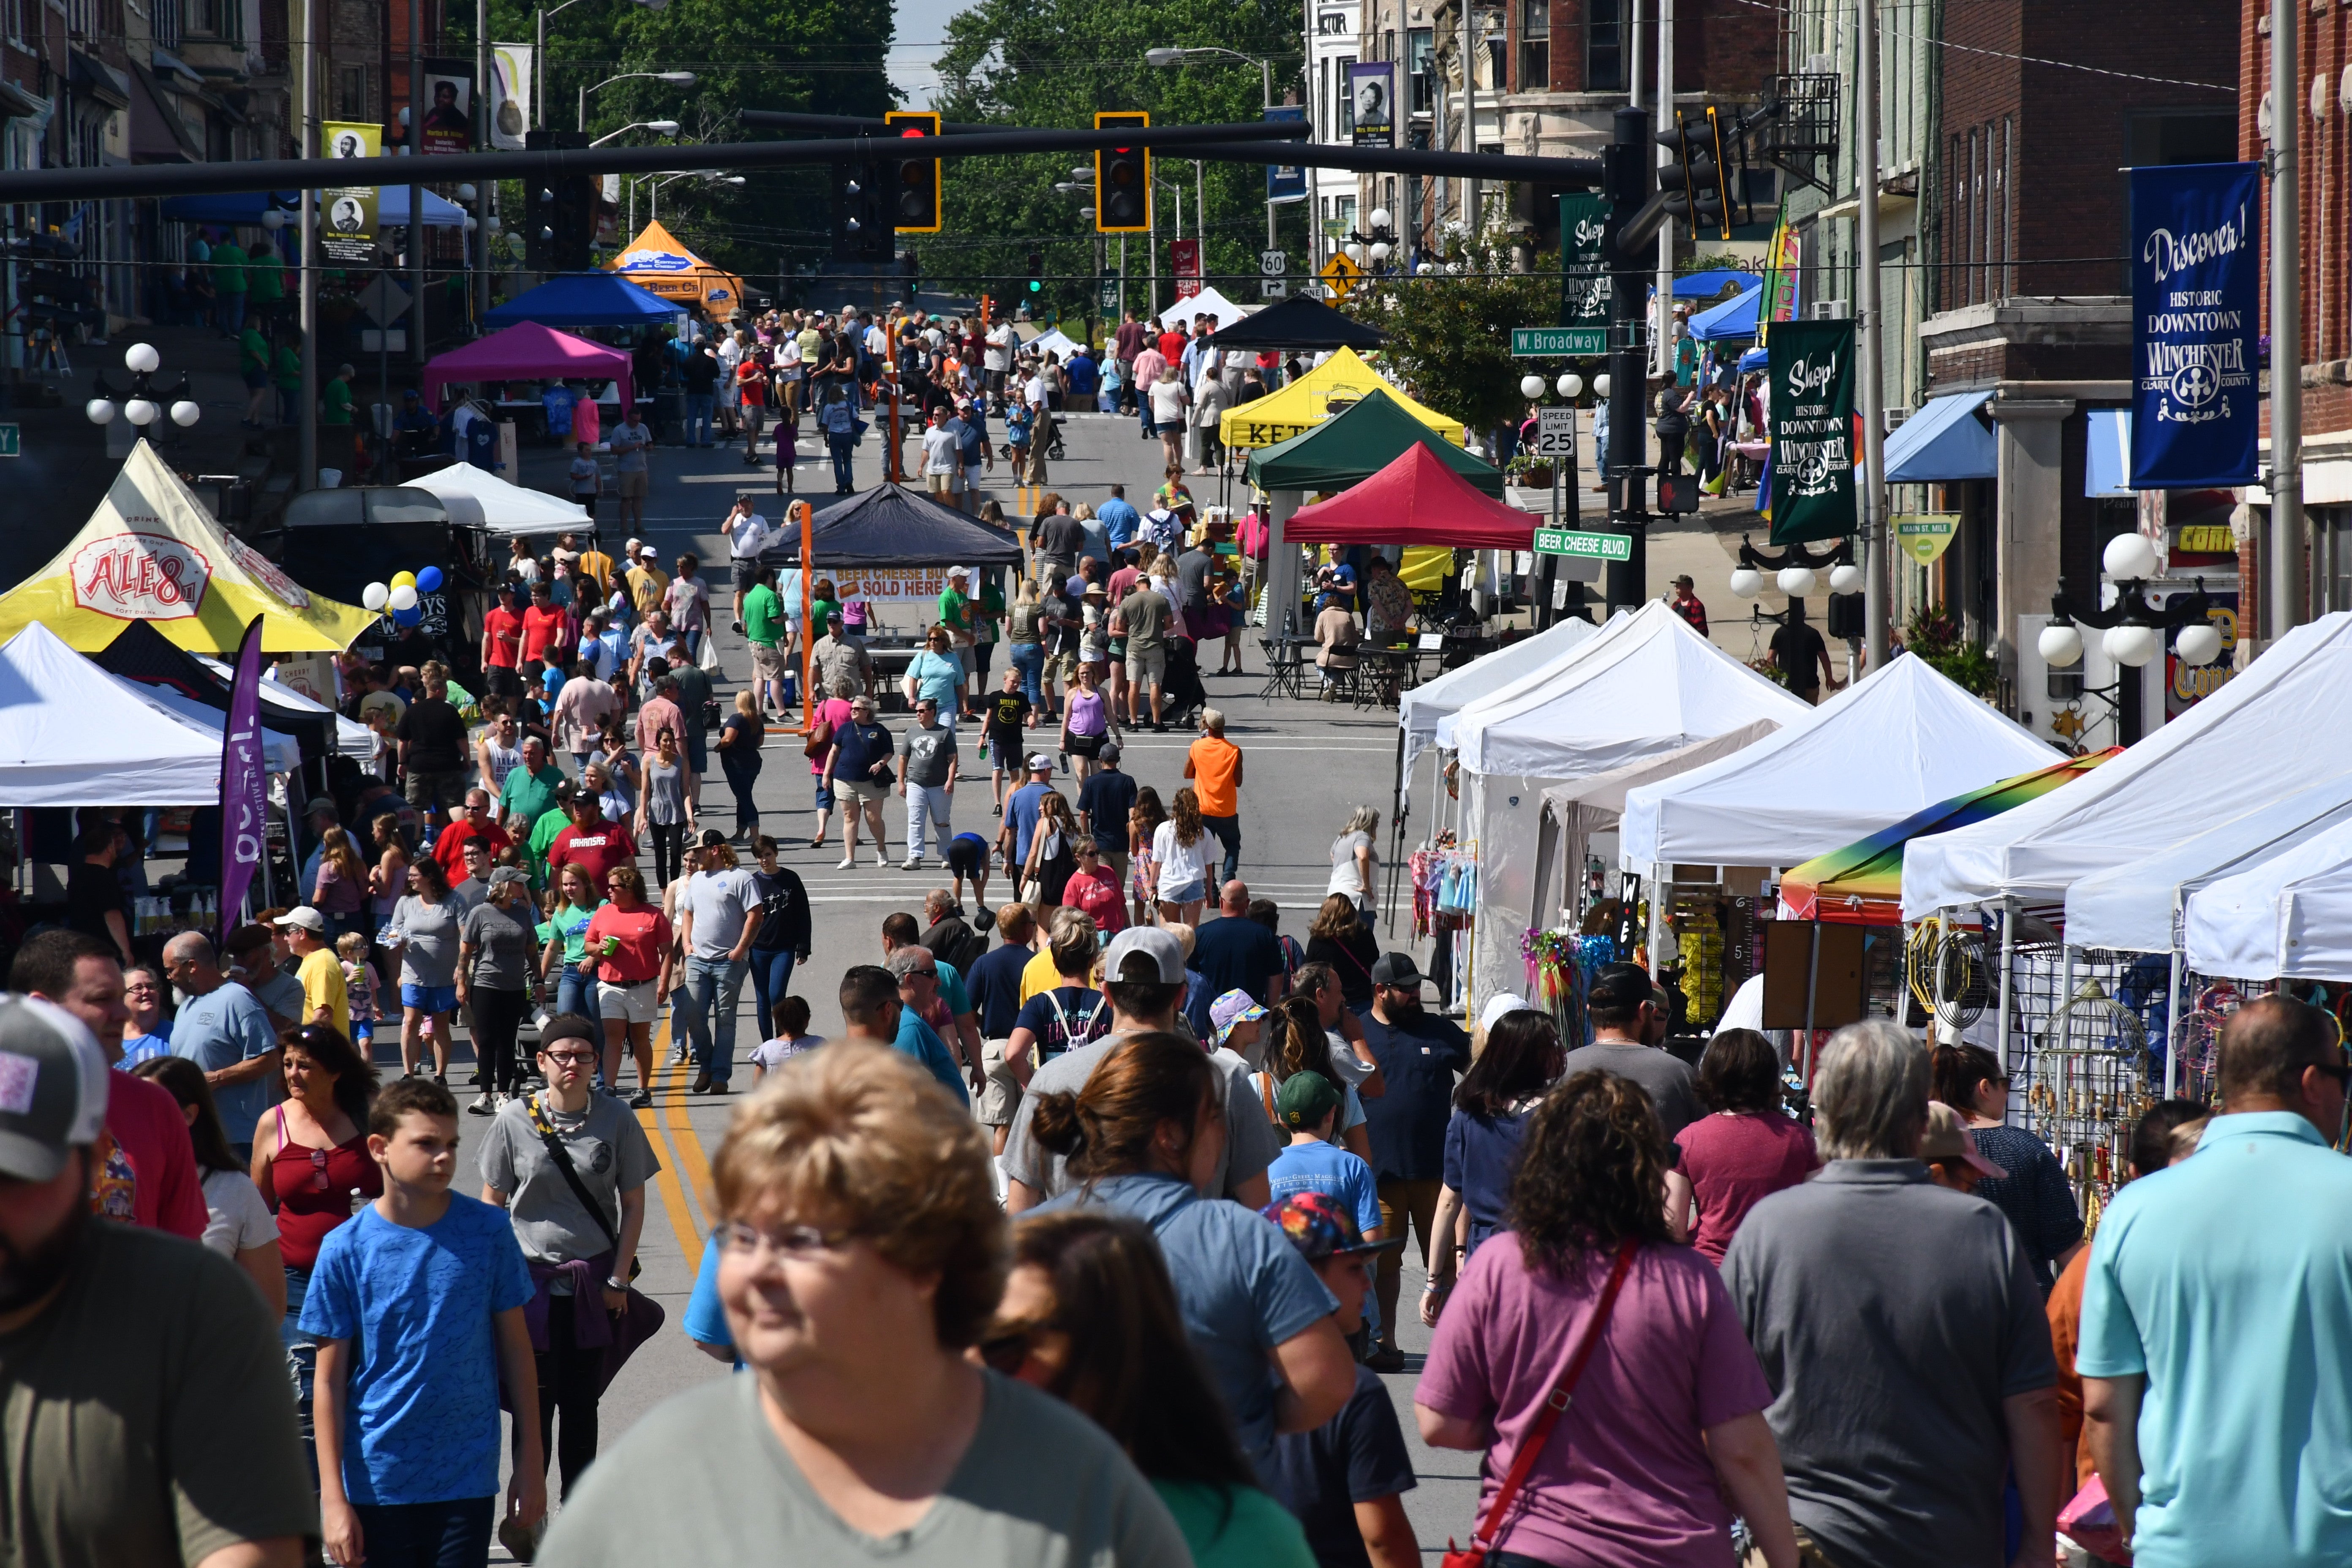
(2217, 1318)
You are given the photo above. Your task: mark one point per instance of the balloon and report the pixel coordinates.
(375, 595)
(403, 580)
(407, 617)
(404, 597)
(428, 580)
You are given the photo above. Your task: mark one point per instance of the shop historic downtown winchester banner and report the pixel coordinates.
(1811, 375)
(2196, 270)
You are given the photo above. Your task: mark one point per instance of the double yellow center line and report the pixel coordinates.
(683, 1180)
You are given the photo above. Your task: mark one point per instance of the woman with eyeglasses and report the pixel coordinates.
(147, 1034)
(861, 1252)
(629, 940)
(497, 952)
(310, 1161)
(581, 1257)
(1133, 1372)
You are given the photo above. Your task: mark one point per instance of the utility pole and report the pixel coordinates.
(416, 190)
(1870, 335)
(1628, 179)
(306, 418)
(480, 247)
(2289, 593)
(1662, 331)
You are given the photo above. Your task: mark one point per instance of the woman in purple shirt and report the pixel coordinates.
(1086, 722)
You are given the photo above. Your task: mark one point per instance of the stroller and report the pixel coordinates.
(1181, 694)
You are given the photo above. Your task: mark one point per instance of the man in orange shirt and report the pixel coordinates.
(546, 629)
(502, 645)
(1214, 766)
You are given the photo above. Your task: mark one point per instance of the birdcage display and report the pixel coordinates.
(2089, 1091)
(1948, 975)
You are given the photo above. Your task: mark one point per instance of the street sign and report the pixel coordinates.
(1555, 431)
(1553, 342)
(383, 300)
(1339, 275)
(1108, 299)
(1274, 288)
(1185, 264)
(12, 440)
(1273, 263)
(1584, 546)
(1923, 535)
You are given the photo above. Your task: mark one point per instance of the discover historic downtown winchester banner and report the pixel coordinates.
(2196, 271)
(1811, 377)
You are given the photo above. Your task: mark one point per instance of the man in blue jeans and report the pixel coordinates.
(716, 926)
(701, 377)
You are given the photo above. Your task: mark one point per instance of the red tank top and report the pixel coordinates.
(314, 1190)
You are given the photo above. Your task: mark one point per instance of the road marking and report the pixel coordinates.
(690, 1238)
(687, 1140)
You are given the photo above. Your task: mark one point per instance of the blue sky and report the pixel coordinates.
(922, 25)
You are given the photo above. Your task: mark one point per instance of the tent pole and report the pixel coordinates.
(1397, 807)
(1812, 984)
(808, 610)
(2008, 965)
(1657, 925)
(2172, 1015)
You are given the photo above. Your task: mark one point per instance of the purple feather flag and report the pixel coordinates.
(244, 782)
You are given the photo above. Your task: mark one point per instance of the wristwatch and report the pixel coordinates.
(613, 1284)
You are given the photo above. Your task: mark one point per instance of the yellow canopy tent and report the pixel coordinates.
(1305, 403)
(152, 552)
(656, 262)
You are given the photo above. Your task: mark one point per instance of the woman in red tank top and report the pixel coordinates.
(310, 1154)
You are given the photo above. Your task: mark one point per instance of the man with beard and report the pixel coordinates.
(142, 1170)
(1419, 1053)
(144, 1415)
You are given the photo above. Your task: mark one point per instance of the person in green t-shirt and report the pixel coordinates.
(955, 614)
(987, 616)
(286, 371)
(338, 397)
(265, 281)
(253, 364)
(229, 283)
(765, 629)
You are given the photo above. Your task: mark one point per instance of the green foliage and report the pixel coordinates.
(824, 56)
(1933, 636)
(1450, 332)
(1053, 63)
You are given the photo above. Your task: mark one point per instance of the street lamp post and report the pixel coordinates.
(539, 56)
(1571, 386)
(1171, 56)
(658, 127)
(144, 404)
(676, 78)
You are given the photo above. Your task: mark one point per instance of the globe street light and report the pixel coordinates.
(142, 406)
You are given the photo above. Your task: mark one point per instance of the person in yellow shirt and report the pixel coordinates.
(325, 1000)
(596, 567)
(649, 584)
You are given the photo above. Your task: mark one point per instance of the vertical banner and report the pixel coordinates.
(2196, 267)
(1372, 98)
(244, 781)
(510, 88)
(346, 219)
(1584, 287)
(1286, 182)
(1812, 455)
(449, 106)
(1184, 266)
(1781, 268)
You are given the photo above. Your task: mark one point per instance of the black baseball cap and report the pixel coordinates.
(1395, 969)
(1620, 985)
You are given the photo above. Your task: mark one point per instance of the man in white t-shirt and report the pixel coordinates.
(747, 535)
(943, 457)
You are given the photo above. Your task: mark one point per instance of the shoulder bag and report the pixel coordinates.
(1555, 1407)
(571, 1174)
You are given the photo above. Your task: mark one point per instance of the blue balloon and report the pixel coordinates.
(428, 579)
(408, 617)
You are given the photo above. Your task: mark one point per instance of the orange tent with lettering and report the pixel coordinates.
(656, 262)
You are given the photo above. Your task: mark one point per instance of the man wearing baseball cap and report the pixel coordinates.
(325, 999)
(158, 1429)
(1419, 1053)
(1143, 975)
(1021, 811)
(1627, 1026)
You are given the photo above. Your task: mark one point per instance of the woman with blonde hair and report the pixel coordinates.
(1183, 851)
(1053, 853)
(860, 1253)
(1024, 635)
(1339, 937)
(340, 892)
(1355, 860)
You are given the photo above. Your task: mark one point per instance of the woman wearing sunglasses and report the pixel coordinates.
(310, 1161)
(861, 1253)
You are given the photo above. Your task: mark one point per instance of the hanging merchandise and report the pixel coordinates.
(2090, 1090)
(1444, 903)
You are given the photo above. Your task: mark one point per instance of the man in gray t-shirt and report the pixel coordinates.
(927, 774)
(1627, 1024)
(719, 915)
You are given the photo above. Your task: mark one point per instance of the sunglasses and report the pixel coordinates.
(2341, 1073)
(572, 1059)
(1006, 1351)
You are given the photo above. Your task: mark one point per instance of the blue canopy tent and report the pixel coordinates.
(1945, 442)
(1757, 358)
(244, 208)
(585, 299)
(1734, 319)
(1710, 284)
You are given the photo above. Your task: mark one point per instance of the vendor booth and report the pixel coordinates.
(1328, 389)
(585, 299)
(152, 552)
(1646, 685)
(143, 655)
(476, 499)
(1734, 321)
(1208, 303)
(1300, 324)
(73, 734)
(2287, 917)
(528, 353)
(656, 262)
(1417, 499)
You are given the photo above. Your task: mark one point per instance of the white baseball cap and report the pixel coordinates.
(1154, 943)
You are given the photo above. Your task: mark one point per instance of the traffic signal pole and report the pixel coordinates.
(1626, 180)
(1870, 338)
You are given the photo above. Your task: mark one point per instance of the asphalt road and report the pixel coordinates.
(1307, 764)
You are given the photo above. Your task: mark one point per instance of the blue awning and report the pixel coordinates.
(1711, 283)
(1734, 319)
(1947, 440)
(239, 209)
(585, 299)
(1757, 358)
(2108, 471)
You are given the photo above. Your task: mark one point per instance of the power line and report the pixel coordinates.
(1784, 11)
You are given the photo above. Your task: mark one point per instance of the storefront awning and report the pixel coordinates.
(2108, 473)
(1944, 442)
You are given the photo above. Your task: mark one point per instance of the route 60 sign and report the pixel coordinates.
(1273, 263)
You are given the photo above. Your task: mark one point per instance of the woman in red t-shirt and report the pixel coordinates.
(630, 939)
(1095, 888)
(751, 391)
(1749, 1150)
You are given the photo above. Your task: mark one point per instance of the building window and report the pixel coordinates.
(350, 93)
(221, 20)
(1535, 45)
(1604, 45)
(1343, 101)
(1420, 44)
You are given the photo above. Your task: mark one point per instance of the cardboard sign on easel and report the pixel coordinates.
(1790, 970)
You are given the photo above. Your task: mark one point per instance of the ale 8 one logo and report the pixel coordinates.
(140, 577)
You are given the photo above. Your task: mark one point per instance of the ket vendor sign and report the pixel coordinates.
(2195, 256)
(1810, 366)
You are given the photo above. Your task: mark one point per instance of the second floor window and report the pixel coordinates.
(1604, 45)
(1535, 45)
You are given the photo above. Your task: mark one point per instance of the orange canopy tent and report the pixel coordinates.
(1416, 500)
(656, 262)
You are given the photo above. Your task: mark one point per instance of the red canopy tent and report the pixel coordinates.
(528, 353)
(1416, 500)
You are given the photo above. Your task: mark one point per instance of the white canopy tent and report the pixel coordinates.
(280, 753)
(2134, 908)
(352, 739)
(1645, 685)
(1208, 301)
(71, 734)
(2287, 918)
(1422, 708)
(1053, 341)
(2270, 731)
(477, 498)
(1895, 742)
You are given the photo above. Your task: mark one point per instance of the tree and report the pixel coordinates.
(1053, 63)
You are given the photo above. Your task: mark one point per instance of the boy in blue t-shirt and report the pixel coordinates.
(1308, 1106)
(418, 1308)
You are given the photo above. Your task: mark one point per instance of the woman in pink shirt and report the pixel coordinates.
(1749, 1150)
(825, 722)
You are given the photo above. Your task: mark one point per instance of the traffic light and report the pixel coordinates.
(914, 183)
(1122, 178)
(559, 211)
(1704, 197)
(1037, 272)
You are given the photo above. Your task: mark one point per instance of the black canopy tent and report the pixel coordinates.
(891, 525)
(1298, 323)
(142, 654)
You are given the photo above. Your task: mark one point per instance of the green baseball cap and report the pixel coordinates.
(1305, 1099)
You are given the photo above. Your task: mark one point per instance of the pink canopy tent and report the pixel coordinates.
(528, 353)
(1416, 500)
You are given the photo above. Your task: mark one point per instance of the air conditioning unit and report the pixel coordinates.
(1831, 309)
(1895, 417)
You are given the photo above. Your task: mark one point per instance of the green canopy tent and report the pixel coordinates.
(1357, 443)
